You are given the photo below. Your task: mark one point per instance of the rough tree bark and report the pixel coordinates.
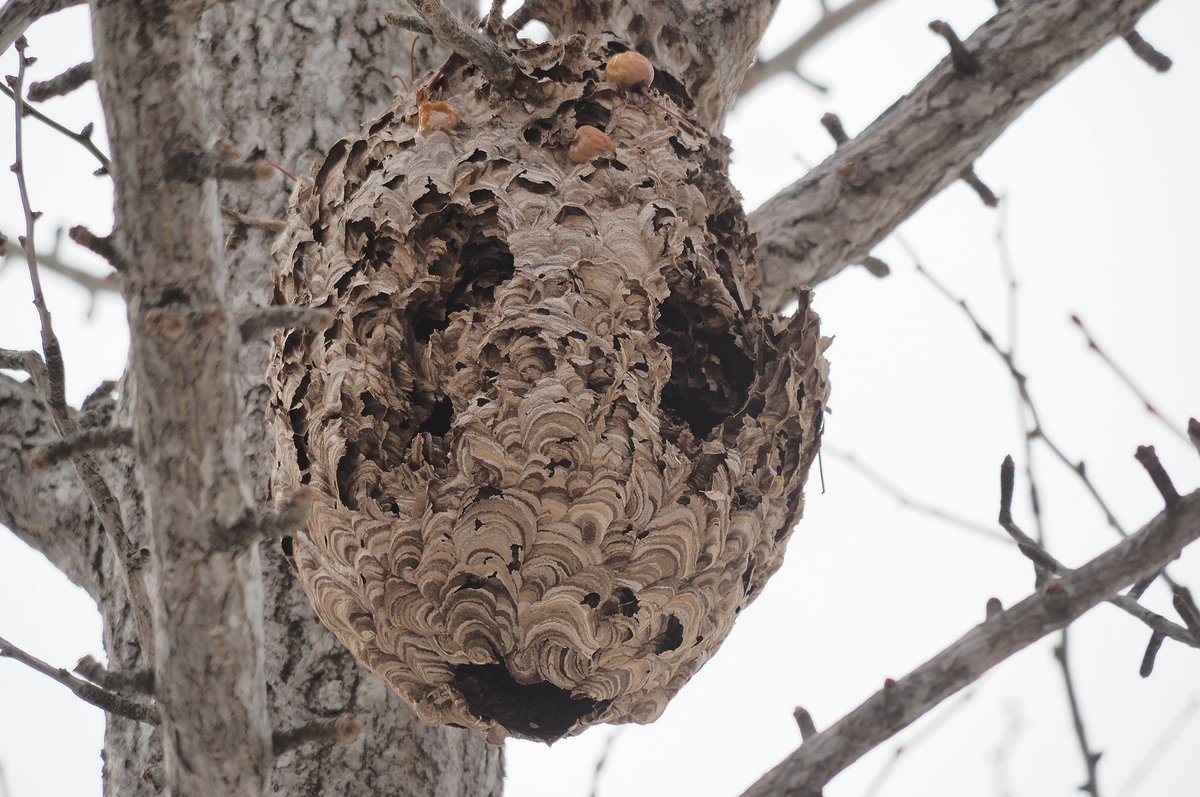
(281, 83)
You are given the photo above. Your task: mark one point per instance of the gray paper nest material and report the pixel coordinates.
(558, 447)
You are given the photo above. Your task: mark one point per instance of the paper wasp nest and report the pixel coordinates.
(556, 444)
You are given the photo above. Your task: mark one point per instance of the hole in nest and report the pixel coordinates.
(469, 275)
(345, 470)
(286, 545)
(540, 710)
(622, 602)
(671, 637)
(438, 422)
(592, 113)
(710, 374)
(533, 186)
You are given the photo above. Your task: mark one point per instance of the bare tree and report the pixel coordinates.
(170, 498)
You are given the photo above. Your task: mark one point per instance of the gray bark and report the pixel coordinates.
(47, 509)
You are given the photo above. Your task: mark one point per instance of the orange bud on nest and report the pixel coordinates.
(630, 70)
(588, 143)
(436, 115)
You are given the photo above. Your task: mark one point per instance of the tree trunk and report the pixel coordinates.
(281, 82)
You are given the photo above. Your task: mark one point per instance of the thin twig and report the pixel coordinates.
(837, 131)
(602, 761)
(51, 350)
(83, 139)
(1090, 757)
(1183, 603)
(61, 84)
(986, 195)
(880, 481)
(472, 45)
(94, 284)
(1044, 564)
(409, 22)
(1155, 620)
(343, 730)
(806, 771)
(1021, 380)
(965, 62)
(81, 441)
(1152, 648)
(1145, 51)
(1023, 421)
(1159, 746)
(111, 702)
(804, 722)
(928, 730)
(1125, 378)
(54, 393)
(258, 223)
(787, 60)
(140, 681)
(265, 320)
(1003, 751)
(102, 245)
(1148, 458)
(28, 361)
(269, 524)
(495, 15)
(1047, 564)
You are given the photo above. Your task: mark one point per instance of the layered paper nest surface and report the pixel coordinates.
(556, 445)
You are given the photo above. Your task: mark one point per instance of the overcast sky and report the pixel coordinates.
(1100, 179)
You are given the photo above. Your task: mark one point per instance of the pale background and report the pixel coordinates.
(1102, 181)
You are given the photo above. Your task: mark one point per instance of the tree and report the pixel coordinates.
(266, 84)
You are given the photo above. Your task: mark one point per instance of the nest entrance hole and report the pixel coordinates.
(540, 710)
(710, 374)
(473, 265)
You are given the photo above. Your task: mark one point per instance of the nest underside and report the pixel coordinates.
(556, 445)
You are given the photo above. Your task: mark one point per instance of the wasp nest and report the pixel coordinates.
(556, 445)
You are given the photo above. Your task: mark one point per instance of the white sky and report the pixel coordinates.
(1101, 178)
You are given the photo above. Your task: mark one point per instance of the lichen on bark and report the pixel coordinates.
(556, 442)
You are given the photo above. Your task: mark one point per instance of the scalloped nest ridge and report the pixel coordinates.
(556, 446)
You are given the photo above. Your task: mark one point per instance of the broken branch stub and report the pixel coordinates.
(557, 446)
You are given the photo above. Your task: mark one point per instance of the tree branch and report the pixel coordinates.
(83, 137)
(17, 15)
(787, 60)
(98, 696)
(806, 771)
(835, 214)
(94, 284)
(47, 510)
(61, 84)
(470, 44)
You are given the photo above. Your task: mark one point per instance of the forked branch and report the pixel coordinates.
(838, 212)
(98, 696)
(472, 45)
(806, 771)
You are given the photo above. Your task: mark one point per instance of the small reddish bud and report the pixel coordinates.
(588, 143)
(630, 70)
(436, 115)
